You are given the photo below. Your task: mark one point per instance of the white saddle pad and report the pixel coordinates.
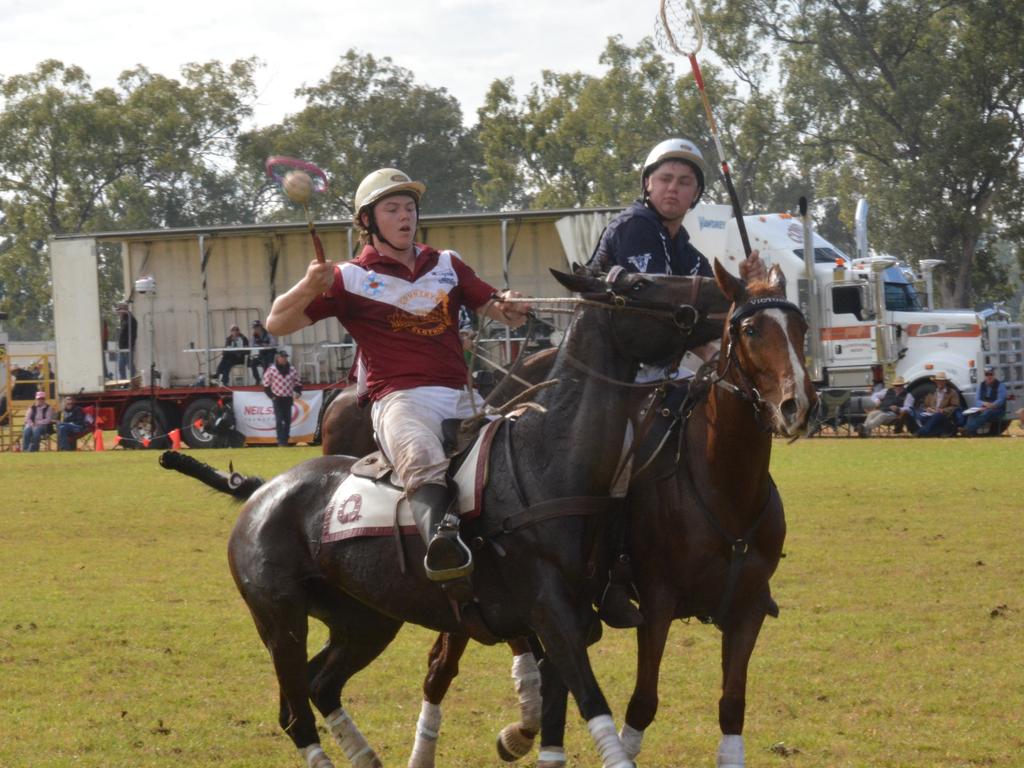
(362, 507)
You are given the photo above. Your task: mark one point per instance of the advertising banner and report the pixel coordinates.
(254, 416)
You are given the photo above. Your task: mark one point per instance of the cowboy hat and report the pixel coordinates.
(899, 382)
(940, 376)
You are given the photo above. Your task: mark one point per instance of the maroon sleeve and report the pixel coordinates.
(475, 292)
(330, 304)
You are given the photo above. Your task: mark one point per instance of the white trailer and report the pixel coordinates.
(188, 286)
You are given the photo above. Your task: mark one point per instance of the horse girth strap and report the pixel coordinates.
(552, 509)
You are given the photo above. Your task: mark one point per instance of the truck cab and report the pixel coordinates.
(866, 313)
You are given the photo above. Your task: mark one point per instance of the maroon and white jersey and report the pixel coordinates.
(405, 323)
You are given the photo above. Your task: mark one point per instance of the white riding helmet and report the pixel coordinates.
(380, 184)
(674, 149)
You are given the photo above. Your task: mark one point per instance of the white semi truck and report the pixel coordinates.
(865, 314)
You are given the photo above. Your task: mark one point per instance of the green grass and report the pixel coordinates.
(124, 643)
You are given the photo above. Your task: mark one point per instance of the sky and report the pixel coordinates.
(459, 45)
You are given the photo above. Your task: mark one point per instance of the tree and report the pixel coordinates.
(149, 153)
(917, 105)
(366, 114)
(577, 139)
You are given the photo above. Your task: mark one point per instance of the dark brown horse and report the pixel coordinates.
(703, 543)
(708, 523)
(537, 531)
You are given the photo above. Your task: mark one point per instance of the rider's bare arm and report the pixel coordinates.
(513, 314)
(288, 315)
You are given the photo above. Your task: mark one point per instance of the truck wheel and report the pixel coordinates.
(194, 421)
(137, 424)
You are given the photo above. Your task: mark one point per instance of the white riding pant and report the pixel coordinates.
(408, 428)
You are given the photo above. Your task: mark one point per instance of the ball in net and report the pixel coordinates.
(298, 185)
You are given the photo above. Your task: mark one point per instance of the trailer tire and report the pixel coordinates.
(137, 424)
(197, 410)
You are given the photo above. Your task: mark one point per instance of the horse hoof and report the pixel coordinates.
(513, 743)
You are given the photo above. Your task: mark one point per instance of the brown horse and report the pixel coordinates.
(708, 523)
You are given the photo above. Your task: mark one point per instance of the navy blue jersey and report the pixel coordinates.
(638, 241)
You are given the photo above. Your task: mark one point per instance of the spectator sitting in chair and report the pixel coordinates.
(72, 425)
(38, 422)
(230, 359)
(941, 414)
(894, 404)
(260, 361)
(991, 399)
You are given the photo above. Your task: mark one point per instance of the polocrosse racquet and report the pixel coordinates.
(678, 30)
(299, 180)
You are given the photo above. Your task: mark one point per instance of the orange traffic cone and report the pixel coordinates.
(117, 440)
(175, 435)
(145, 442)
(97, 440)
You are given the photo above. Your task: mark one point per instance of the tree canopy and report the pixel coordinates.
(366, 114)
(148, 153)
(917, 105)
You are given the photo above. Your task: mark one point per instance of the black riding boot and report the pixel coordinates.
(447, 557)
(616, 608)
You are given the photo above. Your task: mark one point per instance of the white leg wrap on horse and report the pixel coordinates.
(315, 757)
(526, 676)
(427, 729)
(632, 740)
(730, 752)
(602, 730)
(551, 757)
(351, 741)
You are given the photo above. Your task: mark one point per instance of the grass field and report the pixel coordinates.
(124, 643)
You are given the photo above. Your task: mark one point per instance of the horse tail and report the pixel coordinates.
(231, 483)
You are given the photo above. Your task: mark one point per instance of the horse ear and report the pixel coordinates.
(734, 289)
(777, 280)
(581, 282)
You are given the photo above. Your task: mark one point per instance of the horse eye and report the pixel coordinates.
(639, 285)
(749, 330)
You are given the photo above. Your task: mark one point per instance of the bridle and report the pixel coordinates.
(685, 317)
(745, 388)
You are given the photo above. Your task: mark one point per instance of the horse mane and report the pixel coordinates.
(759, 289)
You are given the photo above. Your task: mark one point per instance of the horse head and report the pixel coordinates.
(763, 350)
(653, 317)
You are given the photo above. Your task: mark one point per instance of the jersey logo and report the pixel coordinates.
(373, 284)
(446, 277)
(433, 323)
(640, 262)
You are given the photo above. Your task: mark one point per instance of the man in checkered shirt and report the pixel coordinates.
(281, 383)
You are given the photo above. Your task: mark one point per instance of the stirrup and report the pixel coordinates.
(621, 613)
(448, 532)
